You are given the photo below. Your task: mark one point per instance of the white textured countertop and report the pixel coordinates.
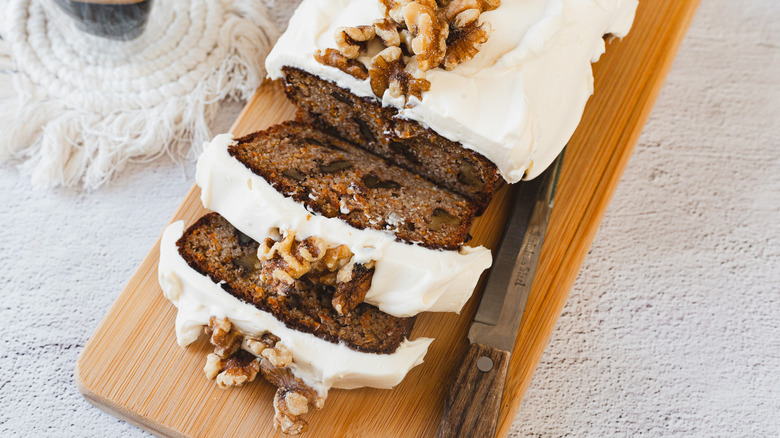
(672, 328)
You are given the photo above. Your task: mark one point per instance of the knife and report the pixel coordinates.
(474, 396)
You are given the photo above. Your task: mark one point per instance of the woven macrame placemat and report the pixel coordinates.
(84, 106)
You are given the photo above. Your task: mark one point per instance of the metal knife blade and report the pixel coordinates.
(509, 282)
(473, 399)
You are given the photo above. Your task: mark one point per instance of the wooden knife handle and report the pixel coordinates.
(474, 398)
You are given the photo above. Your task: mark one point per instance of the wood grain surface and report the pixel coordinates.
(473, 410)
(133, 368)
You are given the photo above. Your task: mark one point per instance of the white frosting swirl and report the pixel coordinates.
(408, 279)
(319, 363)
(517, 102)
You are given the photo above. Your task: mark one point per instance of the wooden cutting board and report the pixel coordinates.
(133, 368)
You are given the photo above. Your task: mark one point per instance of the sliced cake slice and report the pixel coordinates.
(377, 128)
(289, 334)
(336, 179)
(295, 180)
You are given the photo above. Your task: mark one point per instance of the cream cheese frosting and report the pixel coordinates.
(517, 102)
(408, 279)
(319, 363)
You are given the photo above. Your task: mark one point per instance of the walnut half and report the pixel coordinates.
(352, 40)
(429, 34)
(334, 58)
(288, 260)
(241, 368)
(388, 71)
(352, 286)
(292, 399)
(223, 337)
(464, 43)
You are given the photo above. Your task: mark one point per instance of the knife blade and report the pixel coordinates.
(474, 398)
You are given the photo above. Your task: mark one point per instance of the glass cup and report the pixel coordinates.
(115, 19)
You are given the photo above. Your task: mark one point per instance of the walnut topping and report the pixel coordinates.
(261, 354)
(406, 41)
(387, 31)
(288, 406)
(241, 368)
(429, 34)
(463, 43)
(336, 257)
(229, 365)
(214, 366)
(268, 346)
(289, 259)
(455, 7)
(292, 399)
(351, 40)
(223, 337)
(257, 345)
(383, 66)
(466, 18)
(354, 280)
(388, 72)
(333, 58)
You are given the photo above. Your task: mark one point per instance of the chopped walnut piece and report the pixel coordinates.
(214, 365)
(387, 31)
(284, 378)
(242, 367)
(394, 9)
(288, 260)
(450, 11)
(311, 248)
(383, 66)
(288, 408)
(351, 291)
(429, 34)
(287, 404)
(337, 257)
(489, 5)
(279, 355)
(406, 41)
(350, 41)
(463, 44)
(388, 72)
(333, 58)
(223, 337)
(297, 404)
(466, 18)
(263, 354)
(257, 345)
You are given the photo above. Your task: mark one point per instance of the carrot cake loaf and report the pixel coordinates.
(330, 233)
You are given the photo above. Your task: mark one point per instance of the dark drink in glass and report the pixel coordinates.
(115, 19)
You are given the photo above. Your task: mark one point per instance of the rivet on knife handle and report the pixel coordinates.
(481, 376)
